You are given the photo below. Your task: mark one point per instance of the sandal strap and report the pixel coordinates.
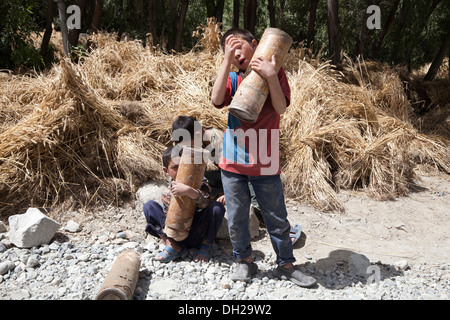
(205, 250)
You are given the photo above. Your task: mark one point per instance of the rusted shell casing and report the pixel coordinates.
(252, 93)
(191, 171)
(121, 280)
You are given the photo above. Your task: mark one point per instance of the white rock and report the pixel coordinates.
(72, 226)
(6, 266)
(33, 228)
(151, 190)
(402, 265)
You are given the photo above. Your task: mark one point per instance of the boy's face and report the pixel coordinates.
(172, 168)
(244, 53)
(196, 140)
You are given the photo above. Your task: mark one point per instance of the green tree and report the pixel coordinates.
(16, 27)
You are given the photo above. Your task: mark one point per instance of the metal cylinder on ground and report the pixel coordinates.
(121, 280)
(252, 93)
(181, 210)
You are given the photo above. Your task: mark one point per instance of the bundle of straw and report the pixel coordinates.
(93, 132)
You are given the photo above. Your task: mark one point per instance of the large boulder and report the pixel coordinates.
(33, 228)
(151, 190)
(223, 232)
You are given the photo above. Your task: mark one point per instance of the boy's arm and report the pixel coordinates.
(180, 189)
(267, 70)
(220, 85)
(200, 196)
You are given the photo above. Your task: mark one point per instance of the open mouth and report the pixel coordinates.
(241, 61)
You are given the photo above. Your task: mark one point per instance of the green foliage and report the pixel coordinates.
(413, 38)
(17, 25)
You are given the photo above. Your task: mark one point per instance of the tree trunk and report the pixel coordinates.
(437, 61)
(121, 20)
(75, 33)
(139, 14)
(236, 10)
(180, 24)
(96, 20)
(281, 21)
(271, 7)
(384, 32)
(312, 23)
(213, 10)
(334, 32)
(65, 35)
(152, 20)
(250, 15)
(404, 23)
(48, 28)
(420, 26)
(363, 32)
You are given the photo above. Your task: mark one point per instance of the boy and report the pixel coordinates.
(246, 149)
(186, 130)
(207, 218)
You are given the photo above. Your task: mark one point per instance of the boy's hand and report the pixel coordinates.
(180, 189)
(231, 44)
(264, 67)
(221, 199)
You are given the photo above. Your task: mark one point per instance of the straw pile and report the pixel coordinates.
(92, 132)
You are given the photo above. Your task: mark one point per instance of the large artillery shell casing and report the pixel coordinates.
(121, 281)
(191, 171)
(253, 91)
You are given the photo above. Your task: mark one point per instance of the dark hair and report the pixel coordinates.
(167, 154)
(242, 33)
(184, 122)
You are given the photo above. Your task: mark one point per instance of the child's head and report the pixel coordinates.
(171, 160)
(244, 53)
(186, 129)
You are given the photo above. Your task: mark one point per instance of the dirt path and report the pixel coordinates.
(415, 228)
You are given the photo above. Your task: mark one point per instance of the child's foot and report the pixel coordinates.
(244, 271)
(295, 275)
(172, 250)
(295, 233)
(203, 253)
(169, 254)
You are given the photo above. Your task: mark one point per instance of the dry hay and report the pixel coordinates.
(93, 132)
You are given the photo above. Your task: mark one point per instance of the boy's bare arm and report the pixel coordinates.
(267, 70)
(220, 85)
(180, 189)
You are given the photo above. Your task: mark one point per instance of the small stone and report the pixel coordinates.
(72, 226)
(33, 261)
(6, 266)
(402, 265)
(192, 280)
(121, 235)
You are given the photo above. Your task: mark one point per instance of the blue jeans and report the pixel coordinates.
(269, 194)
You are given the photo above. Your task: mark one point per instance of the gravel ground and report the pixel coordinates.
(75, 269)
(405, 241)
